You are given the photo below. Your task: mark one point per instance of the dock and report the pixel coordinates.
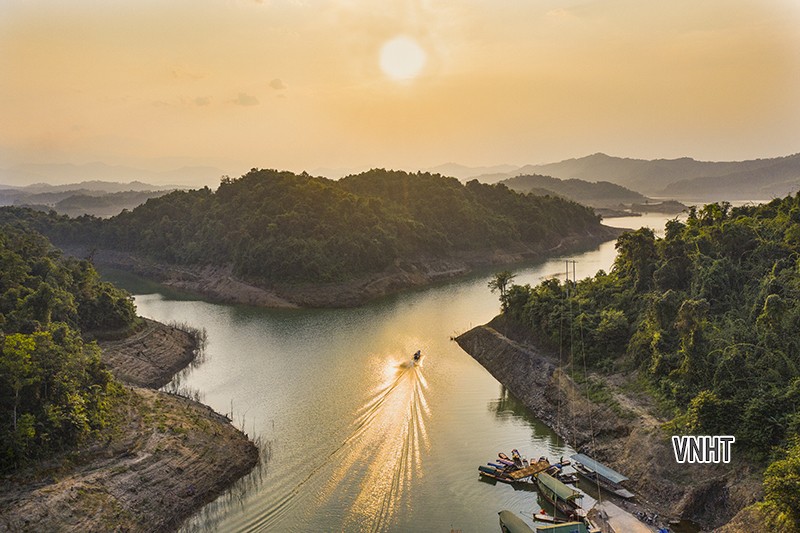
(566, 527)
(613, 519)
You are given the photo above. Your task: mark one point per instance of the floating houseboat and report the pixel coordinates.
(601, 474)
(564, 498)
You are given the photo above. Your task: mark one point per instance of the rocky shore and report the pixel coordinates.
(219, 283)
(164, 458)
(628, 434)
(151, 355)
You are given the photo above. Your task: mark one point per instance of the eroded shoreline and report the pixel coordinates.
(165, 457)
(219, 283)
(151, 356)
(627, 435)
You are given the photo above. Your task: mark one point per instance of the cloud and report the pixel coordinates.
(182, 73)
(245, 99)
(202, 101)
(561, 13)
(277, 84)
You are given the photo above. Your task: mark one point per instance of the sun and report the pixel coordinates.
(402, 58)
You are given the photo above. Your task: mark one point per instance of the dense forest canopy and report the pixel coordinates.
(282, 227)
(710, 314)
(53, 388)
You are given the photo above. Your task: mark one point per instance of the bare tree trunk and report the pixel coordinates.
(16, 402)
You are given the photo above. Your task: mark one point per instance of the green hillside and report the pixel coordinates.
(53, 389)
(709, 316)
(282, 227)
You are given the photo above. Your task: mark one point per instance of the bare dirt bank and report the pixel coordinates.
(219, 283)
(150, 356)
(628, 436)
(167, 457)
(164, 458)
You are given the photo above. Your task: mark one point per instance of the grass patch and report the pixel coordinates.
(641, 386)
(600, 393)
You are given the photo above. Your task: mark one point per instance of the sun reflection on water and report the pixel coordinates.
(383, 453)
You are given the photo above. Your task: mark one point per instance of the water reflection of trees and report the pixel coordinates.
(178, 385)
(509, 406)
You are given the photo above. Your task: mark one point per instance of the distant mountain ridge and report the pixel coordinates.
(684, 178)
(463, 172)
(757, 178)
(99, 198)
(594, 194)
(93, 186)
(63, 173)
(778, 179)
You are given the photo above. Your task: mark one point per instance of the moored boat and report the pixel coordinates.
(517, 458)
(565, 527)
(511, 523)
(604, 476)
(564, 498)
(531, 470)
(567, 479)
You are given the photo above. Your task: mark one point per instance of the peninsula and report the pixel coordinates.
(689, 334)
(85, 450)
(281, 239)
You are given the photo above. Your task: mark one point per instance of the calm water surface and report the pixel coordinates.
(354, 437)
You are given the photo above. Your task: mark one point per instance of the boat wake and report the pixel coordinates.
(384, 450)
(380, 455)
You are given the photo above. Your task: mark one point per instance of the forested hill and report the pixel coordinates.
(53, 389)
(282, 227)
(601, 193)
(472, 216)
(710, 315)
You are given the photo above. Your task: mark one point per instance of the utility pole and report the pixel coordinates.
(574, 277)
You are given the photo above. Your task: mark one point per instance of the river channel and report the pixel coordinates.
(354, 437)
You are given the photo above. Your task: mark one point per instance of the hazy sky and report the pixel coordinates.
(307, 84)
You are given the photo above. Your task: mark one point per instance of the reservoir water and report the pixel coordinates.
(353, 437)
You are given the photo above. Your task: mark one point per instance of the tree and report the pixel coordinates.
(782, 488)
(15, 364)
(500, 282)
(636, 257)
(54, 389)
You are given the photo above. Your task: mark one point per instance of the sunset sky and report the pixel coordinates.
(306, 84)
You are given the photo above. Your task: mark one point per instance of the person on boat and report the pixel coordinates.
(417, 355)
